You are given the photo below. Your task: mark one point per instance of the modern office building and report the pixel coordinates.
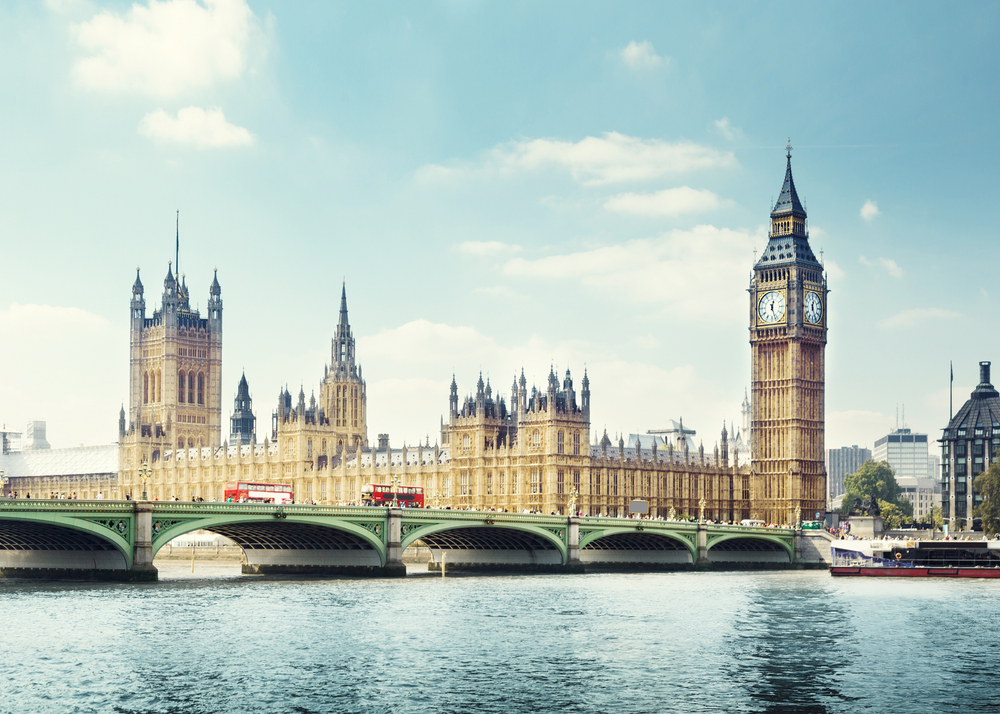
(842, 462)
(906, 452)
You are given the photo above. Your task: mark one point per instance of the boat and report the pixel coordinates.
(916, 559)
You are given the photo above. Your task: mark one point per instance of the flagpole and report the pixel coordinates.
(951, 383)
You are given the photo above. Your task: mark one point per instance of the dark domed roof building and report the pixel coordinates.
(971, 440)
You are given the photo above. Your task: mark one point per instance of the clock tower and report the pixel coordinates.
(788, 339)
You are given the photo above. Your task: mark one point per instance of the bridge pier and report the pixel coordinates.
(394, 566)
(702, 543)
(142, 569)
(573, 542)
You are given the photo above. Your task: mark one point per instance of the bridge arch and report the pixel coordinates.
(35, 539)
(497, 543)
(747, 546)
(630, 544)
(289, 541)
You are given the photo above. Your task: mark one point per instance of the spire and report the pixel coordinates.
(137, 285)
(177, 244)
(216, 289)
(343, 305)
(169, 280)
(788, 199)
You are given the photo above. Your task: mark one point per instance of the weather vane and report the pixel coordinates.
(788, 148)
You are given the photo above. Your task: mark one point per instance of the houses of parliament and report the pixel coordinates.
(533, 450)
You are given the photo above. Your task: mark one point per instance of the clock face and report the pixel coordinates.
(771, 307)
(814, 308)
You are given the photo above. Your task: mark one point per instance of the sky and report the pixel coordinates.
(502, 186)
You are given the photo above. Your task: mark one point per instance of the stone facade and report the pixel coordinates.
(788, 300)
(535, 452)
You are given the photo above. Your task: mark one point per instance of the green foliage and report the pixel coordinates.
(987, 485)
(876, 480)
(892, 515)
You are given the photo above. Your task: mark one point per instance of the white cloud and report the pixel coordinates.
(890, 265)
(834, 270)
(486, 248)
(40, 368)
(870, 210)
(628, 395)
(918, 316)
(695, 273)
(194, 126)
(641, 55)
(668, 202)
(592, 161)
(165, 48)
(496, 291)
(729, 132)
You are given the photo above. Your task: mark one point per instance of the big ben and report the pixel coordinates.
(788, 313)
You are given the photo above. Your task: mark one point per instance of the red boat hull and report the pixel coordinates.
(915, 572)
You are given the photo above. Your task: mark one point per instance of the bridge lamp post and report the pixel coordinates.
(701, 510)
(144, 473)
(395, 487)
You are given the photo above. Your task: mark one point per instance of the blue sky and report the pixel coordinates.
(502, 186)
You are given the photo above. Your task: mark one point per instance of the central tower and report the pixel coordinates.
(788, 300)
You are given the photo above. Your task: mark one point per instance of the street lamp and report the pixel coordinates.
(144, 473)
(571, 506)
(395, 487)
(701, 510)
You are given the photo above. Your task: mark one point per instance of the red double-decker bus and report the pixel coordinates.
(375, 494)
(244, 492)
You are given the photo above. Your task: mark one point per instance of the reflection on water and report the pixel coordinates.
(216, 641)
(791, 647)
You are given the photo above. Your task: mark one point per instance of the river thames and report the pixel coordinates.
(216, 641)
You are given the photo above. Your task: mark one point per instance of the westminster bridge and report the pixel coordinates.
(117, 540)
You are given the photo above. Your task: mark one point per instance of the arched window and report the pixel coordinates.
(536, 438)
(576, 443)
(190, 387)
(201, 388)
(145, 387)
(180, 388)
(180, 443)
(190, 443)
(152, 386)
(561, 443)
(159, 386)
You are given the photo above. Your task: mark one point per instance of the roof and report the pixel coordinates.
(788, 200)
(76, 461)
(982, 410)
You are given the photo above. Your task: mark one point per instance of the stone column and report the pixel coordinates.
(142, 554)
(393, 545)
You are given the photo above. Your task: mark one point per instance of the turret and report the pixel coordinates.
(138, 305)
(453, 398)
(585, 395)
(724, 455)
(121, 422)
(170, 299)
(553, 388)
(215, 303)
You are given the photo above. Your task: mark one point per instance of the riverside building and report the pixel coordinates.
(535, 450)
(968, 445)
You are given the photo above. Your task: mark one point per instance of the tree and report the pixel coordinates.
(872, 479)
(892, 515)
(987, 485)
